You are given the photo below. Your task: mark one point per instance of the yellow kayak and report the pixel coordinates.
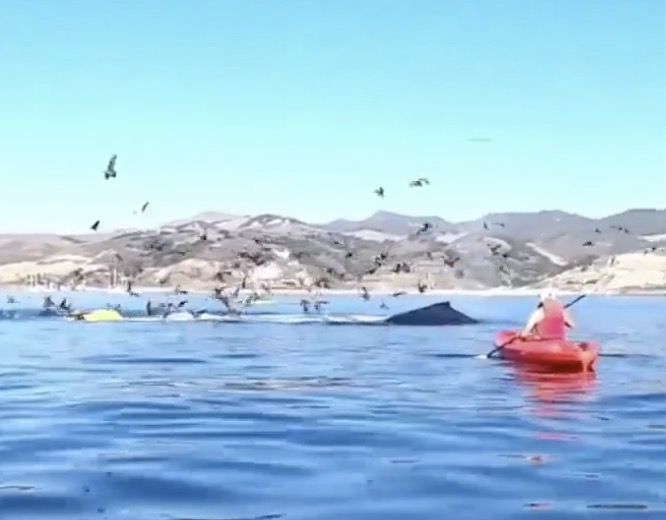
(102, 315)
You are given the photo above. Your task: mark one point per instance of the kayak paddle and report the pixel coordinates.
(499, 347)
(575, 301)
(516, 336)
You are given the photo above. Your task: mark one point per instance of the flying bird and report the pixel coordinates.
(111, 172)
(426, 226)
(421, 181)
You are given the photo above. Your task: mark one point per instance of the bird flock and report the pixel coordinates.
(244, 263)
(314, 286)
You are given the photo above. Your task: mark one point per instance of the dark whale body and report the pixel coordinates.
(436, 314)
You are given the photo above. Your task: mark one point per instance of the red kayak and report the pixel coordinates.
(548, 354)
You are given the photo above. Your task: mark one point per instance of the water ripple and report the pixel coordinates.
(269, 422)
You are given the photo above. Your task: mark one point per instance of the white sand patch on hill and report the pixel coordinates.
(551, 256)
(373, 235)
(60, 265)
(630, 271)
(654, 238)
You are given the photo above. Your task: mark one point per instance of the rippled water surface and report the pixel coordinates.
(275, 419)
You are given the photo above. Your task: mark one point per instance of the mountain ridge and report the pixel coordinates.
(513, 249)
(655, 216)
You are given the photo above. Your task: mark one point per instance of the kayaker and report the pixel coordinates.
(550, 320)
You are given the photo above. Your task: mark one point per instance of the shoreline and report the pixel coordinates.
(518, 291)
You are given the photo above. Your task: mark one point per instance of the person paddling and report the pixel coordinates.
(550, 320)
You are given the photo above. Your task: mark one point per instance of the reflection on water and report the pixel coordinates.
(555, 387)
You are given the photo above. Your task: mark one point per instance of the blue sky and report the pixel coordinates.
(305, 107)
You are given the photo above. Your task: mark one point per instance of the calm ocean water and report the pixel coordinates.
(279, 420)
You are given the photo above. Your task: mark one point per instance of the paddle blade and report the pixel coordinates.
(503, 339)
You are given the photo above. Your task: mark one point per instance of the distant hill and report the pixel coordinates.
(206, 216)
(389, 223)
(533, 226)
(523, 225)
(558, 232)
(386, 250)
(638, 221)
